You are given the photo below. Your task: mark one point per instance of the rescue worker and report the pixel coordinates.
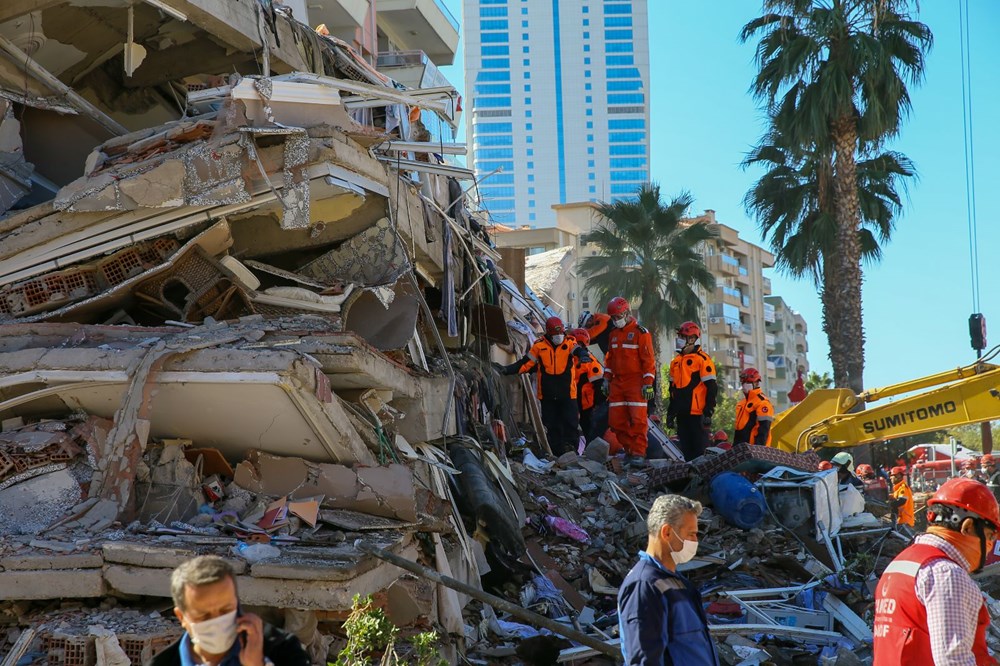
(629, 367)
(865, 473)
(754, 413)
(557, 358)
(844, 462)
(599, 327)
(928, 610)
(901, 497)
(969, 469)
(720, 440)
(988, 468)
(693, 390)
(592, 402)
(661, 618)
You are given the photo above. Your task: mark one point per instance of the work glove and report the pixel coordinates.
(647, 392)
(605, 386)
(671, 423)
(582, 354)
(706, 420)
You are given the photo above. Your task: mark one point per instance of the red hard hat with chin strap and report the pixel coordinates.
(554, 326)
(750, 376)
(581, 335)
(968, 495)
(898, 471)
(618, 306)
(689, 328)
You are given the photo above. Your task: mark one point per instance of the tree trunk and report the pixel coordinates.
(846, 334)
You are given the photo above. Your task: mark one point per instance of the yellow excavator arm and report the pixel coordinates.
(969, 394)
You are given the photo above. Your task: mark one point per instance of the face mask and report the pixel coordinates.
(620, 322)
(680, 343)
(747, 388)
(214, 636)
(687, 551)
(557, 339)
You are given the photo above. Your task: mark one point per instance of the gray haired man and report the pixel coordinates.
(660, 614)
(216, 631)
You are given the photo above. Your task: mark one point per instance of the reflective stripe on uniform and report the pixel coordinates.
(904, 568)
(628, 404)
(760, 417)
(532, 356)
(625, 346)
(649, 374)
(705, 378)
(596, 378)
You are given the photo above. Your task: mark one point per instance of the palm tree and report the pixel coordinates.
(651, 257)
(834, 73)
(793, 204)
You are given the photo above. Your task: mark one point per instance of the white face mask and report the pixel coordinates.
(747, 388)
(687, 551)
(620, 322)
(557, 339)
(214, 636)
(680, 344)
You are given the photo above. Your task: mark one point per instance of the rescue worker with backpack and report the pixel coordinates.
(592, 401)
(629, 371)
(928, 609)
(754, 413)
(693, 389)
(557, 358)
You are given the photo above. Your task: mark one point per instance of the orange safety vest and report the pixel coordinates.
(904, 514)
(557, 367)
(750, 411)
(901, 633)
(688, 374)
(587, 374)
(630, 357)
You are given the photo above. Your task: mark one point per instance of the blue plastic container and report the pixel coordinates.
(737, 500)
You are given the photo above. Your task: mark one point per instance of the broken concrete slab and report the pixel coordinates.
(52, 584)
(154, 556)
(32, 505)
(45, 562)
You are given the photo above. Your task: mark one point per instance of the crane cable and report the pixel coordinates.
(970, 157)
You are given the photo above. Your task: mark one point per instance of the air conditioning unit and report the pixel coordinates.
(571, 296)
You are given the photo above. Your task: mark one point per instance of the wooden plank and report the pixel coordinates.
(20, 647)
(535, 409)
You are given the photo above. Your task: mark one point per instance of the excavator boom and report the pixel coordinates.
(969, 394)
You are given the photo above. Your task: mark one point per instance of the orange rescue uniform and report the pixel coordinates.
(904, 513)
(557, 367)
(600, 329)
(588, 374)
(754, 414)
(629, 365)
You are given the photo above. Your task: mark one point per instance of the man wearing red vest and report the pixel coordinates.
(928, 610)
(629, 368)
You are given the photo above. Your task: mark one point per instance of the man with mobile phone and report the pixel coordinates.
(216, 631)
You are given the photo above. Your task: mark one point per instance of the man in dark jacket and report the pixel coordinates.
(216, 632)
(660, 614)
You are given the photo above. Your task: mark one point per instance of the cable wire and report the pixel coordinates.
(970, 160)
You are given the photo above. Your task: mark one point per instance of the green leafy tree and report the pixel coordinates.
(833, 74)
(793, 204)
(817, 381)
(650, 256)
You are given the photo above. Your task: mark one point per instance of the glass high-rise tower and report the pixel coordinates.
(557, 99)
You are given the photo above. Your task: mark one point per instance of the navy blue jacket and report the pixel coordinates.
(661, 619)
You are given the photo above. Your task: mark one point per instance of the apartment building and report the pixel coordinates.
(734, 316)
(559, 99)
(406, 39)
(789, 349)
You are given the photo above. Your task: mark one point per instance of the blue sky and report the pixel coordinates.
(917, 301)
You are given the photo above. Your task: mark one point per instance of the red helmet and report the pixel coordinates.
(581, 335)
(554, 326)
(825, 465)
(689, 328)
(864, 470)
(968, 464)
(987, 460)
(618, 306)
(720, 436)
(969, 497)
(749, 375)
(898, 471)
